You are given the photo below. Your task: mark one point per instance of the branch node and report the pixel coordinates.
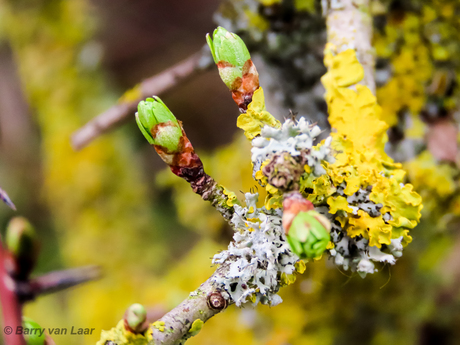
(216, 301)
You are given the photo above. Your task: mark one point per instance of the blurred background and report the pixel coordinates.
(62, 62)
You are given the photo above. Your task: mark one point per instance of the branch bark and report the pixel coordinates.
(156, 85)
(349, 25)
(201, 304)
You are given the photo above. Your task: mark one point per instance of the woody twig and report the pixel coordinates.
(158, 84)
(166, 134)
(17, 260)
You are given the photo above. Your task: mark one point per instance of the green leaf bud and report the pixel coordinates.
(228, 47)
(22, 242)
(33, 333)
(135, 318)
(230, 54)
(308, 234)
(158, 124)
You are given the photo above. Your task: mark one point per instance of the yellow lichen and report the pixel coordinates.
(259, 175)
(120, 336)
(256, 21)
(269, 2)
(321, 188)
(256, 116)
(273, 201)
(196, 327)
(300, 266)
(305, 5)
(287, 279)
(436, 182)
(411, 64)
(160, 325)
(132, 95)
(372, 228)
(231, 197)
(338, 203)
(347, 69)
(361, 161)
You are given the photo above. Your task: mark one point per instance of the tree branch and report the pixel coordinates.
(176, 326)
(17, 260)
(158, 84)
(57, 281)
(349, 25)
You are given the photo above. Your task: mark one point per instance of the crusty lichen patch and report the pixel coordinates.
(120, 336)
(363, 193)
(197, 325)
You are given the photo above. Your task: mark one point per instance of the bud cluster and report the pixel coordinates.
(297, 140)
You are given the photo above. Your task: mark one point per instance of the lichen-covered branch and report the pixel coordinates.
(157, 84)
(349, 26)
(182, 322)
(188, 317)
(363, 192)
(359, 211)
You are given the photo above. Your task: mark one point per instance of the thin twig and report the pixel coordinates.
(6, 199)
(57, 281)
(156, 85)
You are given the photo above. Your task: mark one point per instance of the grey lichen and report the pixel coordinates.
(295, 138)
(355, 253)
(258, 256)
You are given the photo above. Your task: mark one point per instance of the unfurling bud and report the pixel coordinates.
(158, 124)
(22, 244)
(308, 235)
(33, 333)
(135, 319)
(229, 50)
(162, 130)
(235, 66)
(294, 203)
(283, 171)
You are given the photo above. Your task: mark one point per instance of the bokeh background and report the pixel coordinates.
(113, 204)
